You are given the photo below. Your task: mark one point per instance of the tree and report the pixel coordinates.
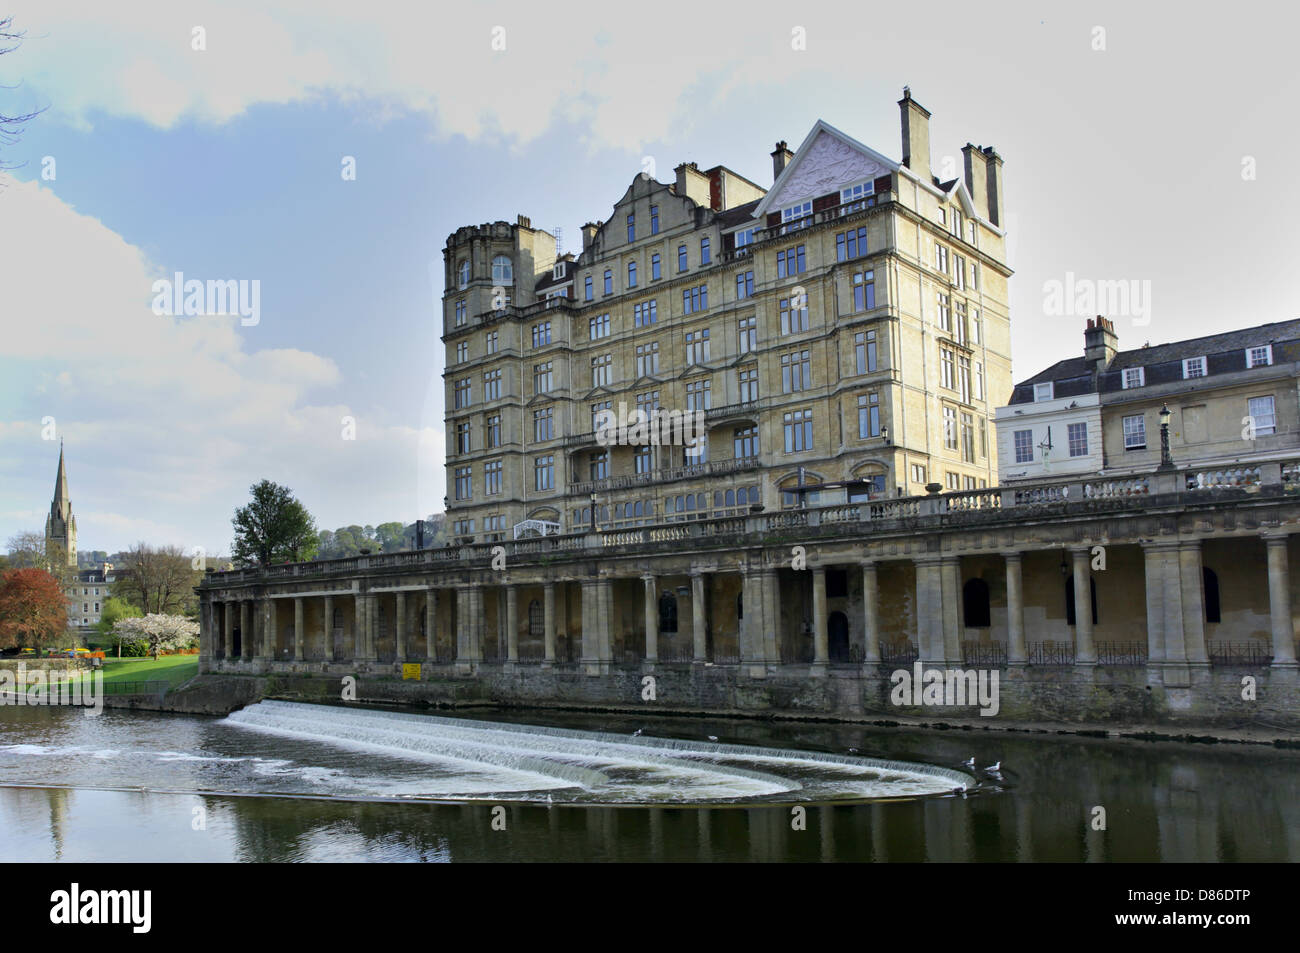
(114, 611)
(390, 537)
(273, 527)
(12, 126)
(30, 550)
(33, 609)
(161, 632)
(157, 579)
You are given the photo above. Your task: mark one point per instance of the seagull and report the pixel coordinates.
(970, 763)
(994, 768)
(853, 751)
(713, 737)
(637, 732)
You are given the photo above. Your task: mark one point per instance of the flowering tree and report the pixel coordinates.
(161, 632)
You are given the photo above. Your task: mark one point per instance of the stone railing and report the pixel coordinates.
(973, 500)
(1217, 479)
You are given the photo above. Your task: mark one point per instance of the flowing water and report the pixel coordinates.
(290, 781)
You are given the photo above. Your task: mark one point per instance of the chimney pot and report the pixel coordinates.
(781, 157)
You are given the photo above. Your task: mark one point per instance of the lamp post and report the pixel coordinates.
(884, 435)
(1166, 461)
(593, 512)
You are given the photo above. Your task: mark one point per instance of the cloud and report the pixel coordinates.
(170, 418)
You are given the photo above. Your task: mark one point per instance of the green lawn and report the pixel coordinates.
(173, 669)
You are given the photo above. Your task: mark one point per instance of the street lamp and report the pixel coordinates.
(884, 435)
(593, 512)
(1166, 461)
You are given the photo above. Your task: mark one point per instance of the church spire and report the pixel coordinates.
(61, 525)
(62, 504)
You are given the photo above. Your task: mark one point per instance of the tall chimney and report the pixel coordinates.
(780, 159)
(693, 184)
(1100, 343)
(916, 135)
(589, 233)
(993, 172)
(976, 178)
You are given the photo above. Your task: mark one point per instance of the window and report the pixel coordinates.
(984, 438)
(959, 271)
(943, 215)
(744, 238)
(1043, 391)
(698, 450)
(492, 478)
(462, 274)
(631, 228)
(600, 465)
(945, 312)
(463, 395)
(502, 271)
(864, 291)
(976, 327)
(543, 379)
(544, 424)
(953, 480)
(1193, 367)
(744, 285)
(586, 287)
(558, 270)
(963, 378)
(1263, 415)
(460, 313)
(1024, 443)
(598, 327)
(790, 262)
(947, 361)
(950, 428)
(744, 442)
(654, 219)
(864, 351)
(918, 473)
(647, 403)
(655, 271)
(798, 431)
(544, 472)
(601, 367)
(631, 274)
(959, 323)
(609, 282)
(542, 334)
(667, 612)
(597, 410)
(462, 352)
(796, 217)
(1259, 356)
(747, 332)
(1077, 436)
(1134, 377)
(681, 258)
(968, 438)
(851, 244)
(868, 415)
(855, 196)
(975, 609)
(463, 483)
(492, 385)
(796, 371)
(462, 437)
(645, 313)
(794, 319)
(748, 377)
(697, 346)
(705, 256)
(492, 339)
(941, 257)
(699, 395)
(647, 359)
(642, 459)
(1135, 432)
(536, 620)
(695, 299)
(979, 381)
(492, 431)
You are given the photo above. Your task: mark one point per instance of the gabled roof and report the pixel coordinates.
(790, 173)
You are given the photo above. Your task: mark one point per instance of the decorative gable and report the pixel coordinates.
(827, 162)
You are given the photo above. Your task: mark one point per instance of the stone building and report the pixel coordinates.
(844, 327)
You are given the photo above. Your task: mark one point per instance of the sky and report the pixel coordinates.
(1142, 144)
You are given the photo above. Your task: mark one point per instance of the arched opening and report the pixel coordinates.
(975, 604)
(336, 634)
(740, 605)
(1210, 585)
(667, 612)
(1069, 599)
(837, 635)
(238, 650)
(536, 620)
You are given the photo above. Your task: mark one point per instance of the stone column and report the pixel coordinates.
(698, 625)
(1152, 558)
(605, 619)
(399, 617)
(821, 641)
(228, 610)
(1085, 653)
(651, 620)
(245, 629)
(1017, 653)
(512, 623)
(769, 597)
(358, 625)
(929, 612)
(950, 582)
(469, 624)
(431, 624)
(1279, 601)
(328, 645)
(870, 616)
(270, 619)
(548, 617)
(1193, 601)
(298, 653)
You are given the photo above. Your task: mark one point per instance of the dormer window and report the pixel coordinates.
(1043, 391)
(795, 217)
(1193, 367)
(502, 271)
(558, 271)
(1134, 377)
(462, 274)
(1259, 356)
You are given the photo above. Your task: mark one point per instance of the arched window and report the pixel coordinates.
(462, 274)
(975, 604)
(1210, 583)
(609, 282)
(731, 497)
(502, 271)
(536, 620)
(667, 612)
(1069, 600)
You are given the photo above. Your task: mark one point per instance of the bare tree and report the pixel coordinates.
(11, 127)
(30, 550)
(157, 579)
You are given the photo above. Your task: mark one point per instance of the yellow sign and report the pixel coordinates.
(411, 671)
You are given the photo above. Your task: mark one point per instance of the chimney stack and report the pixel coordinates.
(993, 173)
(589, 233)
(916, 135)
(976, 178)
(780, 159)
(1100, 343)
(693, 184)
